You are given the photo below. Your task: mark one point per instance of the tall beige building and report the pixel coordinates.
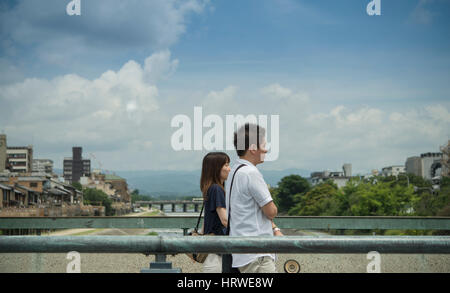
(445, 149)
(428, 165)
(2, 152)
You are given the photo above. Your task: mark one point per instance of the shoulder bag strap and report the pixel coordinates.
(229, 201)
(199, 217)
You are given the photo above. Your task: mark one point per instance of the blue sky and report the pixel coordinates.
(349, 87)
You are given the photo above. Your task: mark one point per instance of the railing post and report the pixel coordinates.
(160, 265)
(36, 258)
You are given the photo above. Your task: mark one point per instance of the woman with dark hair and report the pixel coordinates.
(215, 169)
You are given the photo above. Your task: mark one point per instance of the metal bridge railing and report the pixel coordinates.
(225, 244)
(162, 245)
(310, 223)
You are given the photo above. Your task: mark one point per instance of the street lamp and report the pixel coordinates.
(407, 178)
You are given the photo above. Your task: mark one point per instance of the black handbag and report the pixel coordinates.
(198, 257)
(227, 259)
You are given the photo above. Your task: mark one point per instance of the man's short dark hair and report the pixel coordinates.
(246, 136)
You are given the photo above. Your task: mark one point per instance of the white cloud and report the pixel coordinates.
(439, 112)
(157, 23)
(281, 94)
(106, 30)
(221, 102)
(121, 117)
(105, 113)
(159, 66)
(276, 90)
(369, 137)
(421, 13)
(9, 72)
(311, 137)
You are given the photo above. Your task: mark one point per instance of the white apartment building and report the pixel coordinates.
(20, 158)
(393, 170)
(43, 166)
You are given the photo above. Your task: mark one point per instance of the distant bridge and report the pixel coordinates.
(196, 202)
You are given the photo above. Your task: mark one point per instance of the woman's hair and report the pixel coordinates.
(211, 168)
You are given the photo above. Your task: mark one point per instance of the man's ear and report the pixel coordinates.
(252, 148)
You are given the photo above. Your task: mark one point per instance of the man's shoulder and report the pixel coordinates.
(247, 168)
(250, 170)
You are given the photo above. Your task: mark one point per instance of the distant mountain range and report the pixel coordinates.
(175, 184)
(186, 183)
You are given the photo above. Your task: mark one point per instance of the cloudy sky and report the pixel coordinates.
(348, 87)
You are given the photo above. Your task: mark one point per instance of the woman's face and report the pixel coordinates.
(225, 171)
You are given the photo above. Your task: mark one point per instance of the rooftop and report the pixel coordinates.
(424, 155)
(24, 188)
(6, 187)
(19, 147)
(32, 178)
(113, 177)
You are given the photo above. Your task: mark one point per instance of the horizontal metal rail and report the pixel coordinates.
(319, 223)
(225, 244)
(168, 202)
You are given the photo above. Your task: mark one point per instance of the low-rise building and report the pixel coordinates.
(28, 191)
(43, 166)
(120, 185)
(7, 194)
(114, 186)
(339, 178)
(59, 193)
(393, 170)
(12, 196)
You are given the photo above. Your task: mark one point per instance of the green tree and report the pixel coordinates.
(357, 198)
(288, 187)
(444, 198)
(274, 192)
(436, 203)
(418, 181)
(377, 199)
(77, 186)
(322, 200)
(95, 196)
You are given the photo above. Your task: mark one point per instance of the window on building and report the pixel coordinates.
(17, 156)
(33, 184)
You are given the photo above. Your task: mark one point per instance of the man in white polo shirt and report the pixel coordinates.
(252, 206)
